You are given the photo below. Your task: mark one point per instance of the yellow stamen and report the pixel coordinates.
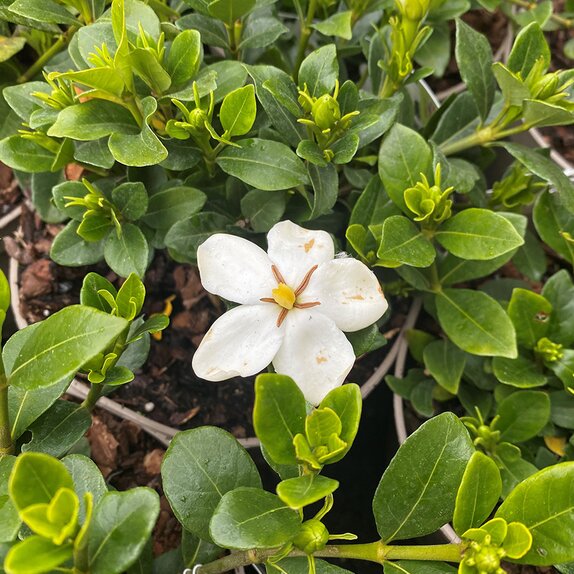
(284, 296)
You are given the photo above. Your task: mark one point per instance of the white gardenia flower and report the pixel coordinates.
(296, 301)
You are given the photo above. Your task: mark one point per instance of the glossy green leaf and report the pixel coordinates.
(304, 490)
(417, 567)
(403, 156)
(131, 199)
(9, 519)
(261, 31)
(46, 11)
(252, 518)
(403, 243)
(238, 110)
(445, 363)
(278, 415)
(477, 494)
(521, 372)
(417, 492)
(128, 252)
(319, 71)
(172, 205)
(263, 164)
(202, 465)
(58, 429)
(559, 291)
(26, 155)
(325, 182)
(184, 57)
(229, 11)
(531, 314)
(476, 323)
(87, 478)
(528, 47)
(522, 415)
(474, 59)
(552, 523)
(339, 25)
(263, 209)
(554, 223)
(120, 527)
(478, 234)
(62, 344)
(36, 555)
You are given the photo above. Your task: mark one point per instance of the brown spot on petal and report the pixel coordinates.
(356, 297)
(308, 246)
(320, 359)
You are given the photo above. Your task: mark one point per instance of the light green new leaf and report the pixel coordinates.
(417, 492)
(531, 314)
(36, 555)
(62, 344)
(476, 323)
(478, 234)
(238, 111)
(478, 493)
(184, 57)
(552, 523)
(252, 518)
(529, 45)
(199, 467)
(304, 490)
(339, 24)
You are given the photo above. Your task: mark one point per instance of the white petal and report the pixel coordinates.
(241, 342)
(295, 250)
(235, 269)
(349, 293)
(315, 354)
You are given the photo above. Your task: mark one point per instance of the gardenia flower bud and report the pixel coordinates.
(326, 112)
(549, 350)
(312, 537)
(197, 119)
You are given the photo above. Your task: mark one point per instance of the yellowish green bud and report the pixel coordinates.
(312, 537)
(549, 350)
(430, 204)
(326, 112)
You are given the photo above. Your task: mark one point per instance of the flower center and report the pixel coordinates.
(284, 296)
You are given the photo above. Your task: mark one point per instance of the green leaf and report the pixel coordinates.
(184, 57)
(46, 11)
(476, 323)
(140, 149)
(41, 187)
(128, 252)
(417, 492)
(58, 429)
(319, 71)
(260, 32)
(304, 490)
(530, 259)
(131, 199)
(9, 519)
(552, 221)
(93, 120)
(417, 567)
(339, 25)
(529, 46)
(174, 204)
(36, 478)
(543, 114)
(300, 565)
(120, 528)
(62, 344)
(252, 518)
(544, 168)
(520, 372)
(478, 493)
(325, 182)
(403, 243)
(445, 363)
(130, 297)
(10, 46)
(522, 415)
(199, 467)
(263, 164)
(513, 468)
(552, 523)
(474, 59)
(278, 415)
(87, 478)
(36, 555)
(238, 111)
(478, 234)
(403, 156)
(25, 155)
(531, 314)
(559, 291)
(229, 11)
(263, 209)
(89, 293)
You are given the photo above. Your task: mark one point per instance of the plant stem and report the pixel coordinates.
(6, 446)
(39, 64)
(566, 22)
(306, 32)
(373, 552)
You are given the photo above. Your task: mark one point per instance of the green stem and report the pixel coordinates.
(96, 390)
(39, 64)
(372, 552)
(6, 445)
(306, 32)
